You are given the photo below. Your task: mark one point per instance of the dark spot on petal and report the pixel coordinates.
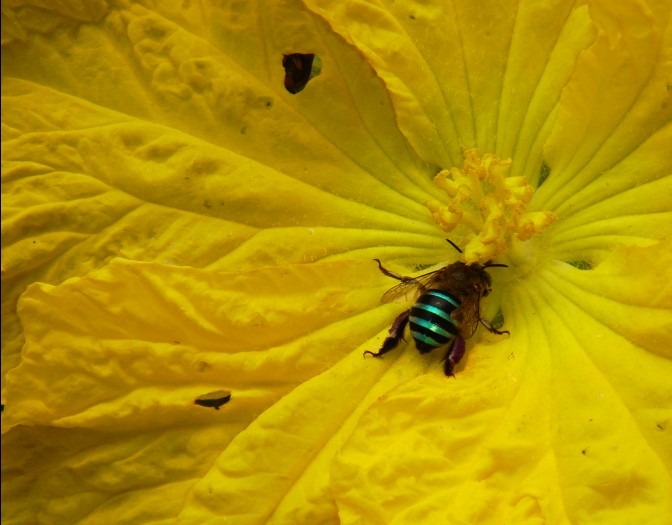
(498, 321)
(544, 172)
(299, 69)
(207, 204)
(267, 102)
(581, 265)
(421, 267)
(213, 399)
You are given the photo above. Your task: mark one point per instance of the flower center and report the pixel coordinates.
(488, 206)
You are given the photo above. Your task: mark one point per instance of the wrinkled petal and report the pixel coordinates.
(493, 76)
(608, 152)
(164, 134)
(631, 203)
(617, 99)
(136, 137)
(577, 94)
(137, 343)
(115, 332)
(530, 430)
(228, 91)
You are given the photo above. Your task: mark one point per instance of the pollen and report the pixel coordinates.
(487, 206)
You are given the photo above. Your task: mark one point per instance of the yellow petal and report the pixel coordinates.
(157, 328)
(168, 136)
(114, 362)
(469, 74)
(134, 136)
(631, 203)
(566, 420)
(92, 184)
(210, 76)
(616, 102)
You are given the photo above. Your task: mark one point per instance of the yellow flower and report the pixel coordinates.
(179, 227)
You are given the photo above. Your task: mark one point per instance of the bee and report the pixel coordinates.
(446, 312)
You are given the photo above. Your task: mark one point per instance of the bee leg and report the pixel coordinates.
(491, 329)
(396, 334)
(453, 355)
(392, 274)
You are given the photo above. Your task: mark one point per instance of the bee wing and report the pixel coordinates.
(411, 286)
(468, 315)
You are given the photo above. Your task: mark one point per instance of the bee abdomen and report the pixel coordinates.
(430, 321)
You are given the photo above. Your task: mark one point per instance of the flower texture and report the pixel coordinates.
(192, 204)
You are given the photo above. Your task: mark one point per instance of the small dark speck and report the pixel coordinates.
(412, 17)
(187, 178)
(583, 452)
(207, 204)
(243, 130)
(34, 242)
(266, 101)
(544, 172)
(659, 426)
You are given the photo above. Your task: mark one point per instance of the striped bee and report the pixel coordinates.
(446, 312)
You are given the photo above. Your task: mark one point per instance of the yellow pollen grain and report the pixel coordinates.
(490, 205)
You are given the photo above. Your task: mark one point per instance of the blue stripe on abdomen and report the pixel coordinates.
(435, 312)
(431, 326)
(431, 323)
(444, 296)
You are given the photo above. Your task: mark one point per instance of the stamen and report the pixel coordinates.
(490, 205)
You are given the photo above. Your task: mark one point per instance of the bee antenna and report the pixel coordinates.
(454, 245)
(488, 265)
